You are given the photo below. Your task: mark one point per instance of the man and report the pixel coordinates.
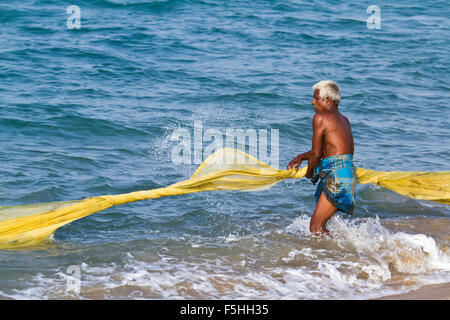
(330, 158)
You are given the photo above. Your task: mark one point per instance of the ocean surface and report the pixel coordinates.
(92, 110)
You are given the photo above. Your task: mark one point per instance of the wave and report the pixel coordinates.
(364, 260)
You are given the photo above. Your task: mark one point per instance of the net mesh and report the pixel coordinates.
(226, 169)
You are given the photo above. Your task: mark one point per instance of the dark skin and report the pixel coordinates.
(332, 135)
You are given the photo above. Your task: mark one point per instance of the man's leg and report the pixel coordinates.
(323, 211)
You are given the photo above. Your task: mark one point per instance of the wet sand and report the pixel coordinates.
(430, 292)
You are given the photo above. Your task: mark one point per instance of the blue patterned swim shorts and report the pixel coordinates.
(337, 180)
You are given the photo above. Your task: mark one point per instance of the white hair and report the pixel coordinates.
(328, 89)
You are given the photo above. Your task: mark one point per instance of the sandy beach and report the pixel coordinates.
(430, 292)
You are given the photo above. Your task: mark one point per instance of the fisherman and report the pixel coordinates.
(330, 158)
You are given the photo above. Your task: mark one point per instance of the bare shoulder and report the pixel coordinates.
(319, 118)
(319, 121)
(323, 118)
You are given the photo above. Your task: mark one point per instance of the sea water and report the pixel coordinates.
(90, 98)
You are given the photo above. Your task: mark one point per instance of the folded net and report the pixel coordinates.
(226, 169)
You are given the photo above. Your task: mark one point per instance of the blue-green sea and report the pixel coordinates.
(90, 99)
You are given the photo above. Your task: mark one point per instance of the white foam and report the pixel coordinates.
(362, 260)
(378, 252)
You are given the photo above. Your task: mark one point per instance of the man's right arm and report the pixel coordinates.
(312, 156)
(297, 161)
(317, 144)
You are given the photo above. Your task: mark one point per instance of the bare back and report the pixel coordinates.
(337, 134)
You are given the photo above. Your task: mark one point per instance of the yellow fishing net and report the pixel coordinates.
(226, 169)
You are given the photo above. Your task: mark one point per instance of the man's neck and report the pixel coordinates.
(331, 109)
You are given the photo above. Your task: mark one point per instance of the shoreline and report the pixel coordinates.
(428, 292)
